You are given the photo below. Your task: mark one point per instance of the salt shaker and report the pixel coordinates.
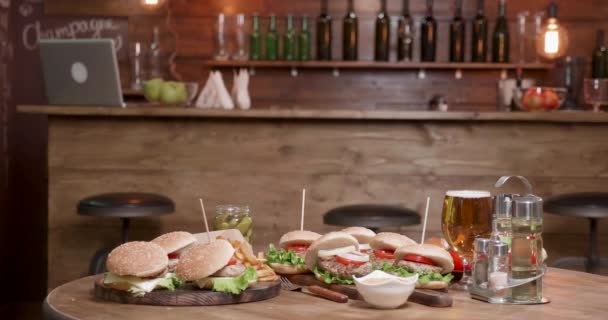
(480, 263)
(498, 269)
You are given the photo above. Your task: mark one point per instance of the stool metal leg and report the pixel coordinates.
(594, 258)
(125, 229)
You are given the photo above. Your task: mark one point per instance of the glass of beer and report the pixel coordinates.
(466, 215)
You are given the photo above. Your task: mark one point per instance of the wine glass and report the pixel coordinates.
(596, 93)
(466, 215)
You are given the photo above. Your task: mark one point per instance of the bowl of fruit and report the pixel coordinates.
(539, 98)
(172, 93)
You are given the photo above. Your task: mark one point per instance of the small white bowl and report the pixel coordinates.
(388, 291)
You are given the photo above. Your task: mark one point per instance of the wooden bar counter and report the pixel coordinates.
(264, 158)
(573, 295)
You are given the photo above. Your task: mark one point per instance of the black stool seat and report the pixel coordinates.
(372, 216)
(125, 205)
(589, 205)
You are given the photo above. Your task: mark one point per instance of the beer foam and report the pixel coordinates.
(470, 194)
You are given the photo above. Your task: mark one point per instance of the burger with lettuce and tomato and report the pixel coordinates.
(383, 247)
(433, 265)
(335, 258)
(289, 257)
(363, 235)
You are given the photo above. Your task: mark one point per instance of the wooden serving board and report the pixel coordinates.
(431, 298)
(189, 295)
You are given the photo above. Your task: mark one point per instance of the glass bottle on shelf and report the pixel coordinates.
(272, 40)
(522, 36)
(304, 41)
(428, 34)
(155, 56)
(405, 37)
(136, 58)
(350, 34)
(324, 33)
(479, 43)
(289, 41)
(255, 40)
(221, 53)
(500, 37)
(381, 48)
(457, 32)
(599, 59)
(240, 53)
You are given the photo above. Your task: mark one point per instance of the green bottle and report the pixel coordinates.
(255, 40)
(304, 41)
(289, 41)
(349, 34)
(272, 40)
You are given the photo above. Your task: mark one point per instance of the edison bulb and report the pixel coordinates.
(552, 40)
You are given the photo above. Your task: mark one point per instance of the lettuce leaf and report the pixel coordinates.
(284, 257)
(235, 285)
(139, 287)
(329, 278)
(423, 278)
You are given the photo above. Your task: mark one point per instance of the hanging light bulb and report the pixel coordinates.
(151, 3)
(552, 41)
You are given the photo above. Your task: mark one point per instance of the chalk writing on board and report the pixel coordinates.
(84, 28)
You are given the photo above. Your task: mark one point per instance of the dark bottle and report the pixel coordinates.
(479, 43)
(289, 41)
(500, 37)
(457, 32)
(381, 48)
(428, 34)
(324, 33)
(272, 40)
(598, 64)
(519, 77)
(255, 40)
(350, 34)
(304, 41)
(405, 34)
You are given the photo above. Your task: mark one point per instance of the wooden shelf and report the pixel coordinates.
(373, 65)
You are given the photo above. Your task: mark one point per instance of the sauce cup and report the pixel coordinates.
(385, 291)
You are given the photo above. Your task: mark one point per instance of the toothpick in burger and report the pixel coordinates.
(139, 268)
(384, 245)
(289, 258)
(363, 235)
(335, 258)
(432, 263)
(214, 266)
(175, 244)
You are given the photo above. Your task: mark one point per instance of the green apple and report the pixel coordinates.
(152, 89)
(172, 92)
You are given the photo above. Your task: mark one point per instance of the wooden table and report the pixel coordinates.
(574, 295)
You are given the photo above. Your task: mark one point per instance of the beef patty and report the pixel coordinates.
(345, 271)
(418, 267)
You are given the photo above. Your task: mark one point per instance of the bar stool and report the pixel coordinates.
(125, 206)
(590, 205)
(371, 216)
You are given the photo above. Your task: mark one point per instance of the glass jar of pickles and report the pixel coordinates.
(234, 217)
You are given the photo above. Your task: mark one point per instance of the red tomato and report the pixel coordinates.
(550, 100)
(346, 262)
(533, 100)
(458, 266)
(364, 250)
(418, 259)
(231, 262)
(297, 248)
(173, 255)
(384, 254)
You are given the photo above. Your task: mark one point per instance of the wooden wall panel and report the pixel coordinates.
(265, 164)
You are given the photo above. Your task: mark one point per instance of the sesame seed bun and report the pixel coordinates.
(287, 269)
(137, 259)
(390, 241)
(174, 241)
(298, 237)
(433, 285)
(204, 259)
(439, 255)
(363, 235)
(332, 240)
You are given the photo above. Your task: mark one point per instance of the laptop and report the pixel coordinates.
(81, 72)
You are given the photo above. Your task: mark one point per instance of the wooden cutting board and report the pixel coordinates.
(431, 298)
(189, 295)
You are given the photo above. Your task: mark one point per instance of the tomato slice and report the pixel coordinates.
(458, 265)
(384, 254)
(297, 248)
(346, 262)
(173, 255)
(418, 259)
(231, 262)
(364, 250)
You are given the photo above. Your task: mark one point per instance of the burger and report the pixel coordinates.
(174, 244)
(139, 267)
(363, 236)
(384, 245)
(432, 263)
(289, 258)
(214, 266)
(335, 258)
